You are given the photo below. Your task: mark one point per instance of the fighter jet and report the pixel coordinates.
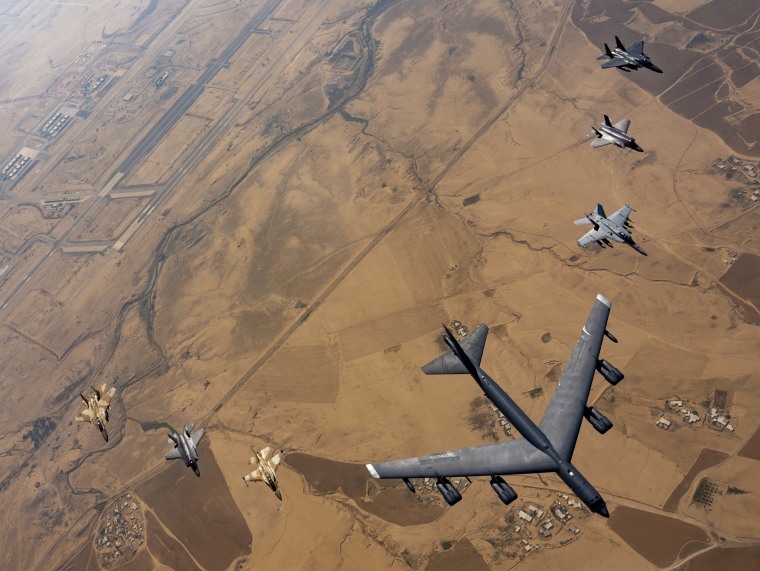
(185, 447)
(265, 469)
(627, 59)
(616, 227)
(546, 447)
(609, 134)
(97, 408)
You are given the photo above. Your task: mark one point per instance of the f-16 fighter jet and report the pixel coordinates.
(265, 469)
(185, 447)
(609, 134)
(616, 227)
(546, 447)
(627, 59)
(97, 408)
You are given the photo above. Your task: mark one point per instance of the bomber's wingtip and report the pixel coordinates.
(372, 471)
(603, 299)
(429, 369)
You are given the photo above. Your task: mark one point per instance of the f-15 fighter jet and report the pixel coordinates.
(609, 134)
(185, 447)
(627, 59)
(615, 228)
(265, 469)
(546, 447)
(97, 408)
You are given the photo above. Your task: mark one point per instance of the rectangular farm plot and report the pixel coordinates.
(304, 374)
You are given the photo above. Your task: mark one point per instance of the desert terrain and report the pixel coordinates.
(254, 216)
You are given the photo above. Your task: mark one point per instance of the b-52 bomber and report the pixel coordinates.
(616, 228)
(185, 447)
(609, 134)
(97, 408)
(627, 59)
(546, 447)
(265, 470)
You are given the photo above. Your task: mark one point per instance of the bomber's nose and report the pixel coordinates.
(603, 510)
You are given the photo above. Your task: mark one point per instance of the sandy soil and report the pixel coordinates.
(199, 512)
(660, 539)
(353, 175)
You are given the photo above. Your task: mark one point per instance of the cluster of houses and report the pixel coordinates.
(719, 420)
(505, 426)
(121, 533)
(533, 517)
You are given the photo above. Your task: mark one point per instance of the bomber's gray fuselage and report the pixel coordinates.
(533, 434)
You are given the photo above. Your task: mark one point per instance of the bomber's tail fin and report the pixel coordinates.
(600, 211)
(619, 43)
(462, 358)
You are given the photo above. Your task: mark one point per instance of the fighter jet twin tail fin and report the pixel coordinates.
(586, 221)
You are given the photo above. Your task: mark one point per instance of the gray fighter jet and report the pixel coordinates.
(609, 134)
(547, 447)
(185, 445)
(616, 227)
(627, 59)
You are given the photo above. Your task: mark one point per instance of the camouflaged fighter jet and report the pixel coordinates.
(544, 447)
(609, 134)
(627, 59)
(265, 469)
(185, 447)
(97, 408)
(616, 228)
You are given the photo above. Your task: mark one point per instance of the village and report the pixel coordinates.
(715, 416)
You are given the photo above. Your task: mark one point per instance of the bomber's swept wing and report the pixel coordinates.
(619, 217)
(562, 418)
(636, 49)
(504, 458)
(623, 125)
(449, 364)
(614, 62)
